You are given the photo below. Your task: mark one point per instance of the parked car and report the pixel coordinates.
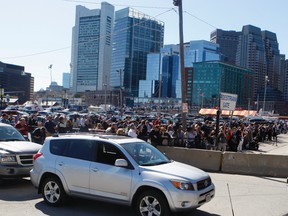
(16, 154)
(118, 169)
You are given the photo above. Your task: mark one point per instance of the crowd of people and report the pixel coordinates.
(231, 136)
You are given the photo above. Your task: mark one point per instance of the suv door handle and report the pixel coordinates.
(95, 169)
(61, 164)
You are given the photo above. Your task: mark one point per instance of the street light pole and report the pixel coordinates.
(265, 89)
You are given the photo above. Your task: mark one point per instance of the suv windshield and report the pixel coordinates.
(9, 133)
(145, 154)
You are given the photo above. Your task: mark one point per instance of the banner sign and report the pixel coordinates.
(185, 107)
(228, 101)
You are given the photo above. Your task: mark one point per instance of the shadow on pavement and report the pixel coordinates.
(17, 190)
(84, 207)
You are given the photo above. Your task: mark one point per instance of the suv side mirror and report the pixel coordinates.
(121, 163)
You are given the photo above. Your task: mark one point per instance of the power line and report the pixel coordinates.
(38, 53)
(118, 5)
(200, 19)
(135, 6)
(67, 47)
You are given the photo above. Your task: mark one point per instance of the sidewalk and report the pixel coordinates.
(270, 147)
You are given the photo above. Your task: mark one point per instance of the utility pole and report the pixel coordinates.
(178, 3)
(160, 85)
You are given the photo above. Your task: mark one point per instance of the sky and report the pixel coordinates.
(38, 33)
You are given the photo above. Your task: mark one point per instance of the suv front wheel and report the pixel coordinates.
(152, 203)
(53, 192)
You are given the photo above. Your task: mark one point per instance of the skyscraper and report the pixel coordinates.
(228, 41)
(258, 51)
(163, 76)
(91, 48)
(285, 78)
(163, 70)
(251, 54)
(200, 51)
(273, 58)
(135, 35)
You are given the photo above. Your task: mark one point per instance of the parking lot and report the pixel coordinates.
(235, 195)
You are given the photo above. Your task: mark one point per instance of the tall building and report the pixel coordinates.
(228, 41)
(273, 58)
(91, 48)
(285, 79)
(200, 51)
(65, 80)
(16, 83)
(253, 49)
(135, 35)
(163, 78)
(211, 78)
(251, 54)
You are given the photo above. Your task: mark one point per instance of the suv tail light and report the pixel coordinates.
(38, 154)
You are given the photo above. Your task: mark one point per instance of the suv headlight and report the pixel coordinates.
(8, 159)
(182, 185)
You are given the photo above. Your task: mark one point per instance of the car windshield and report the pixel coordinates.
(9, 133)
(145, 154)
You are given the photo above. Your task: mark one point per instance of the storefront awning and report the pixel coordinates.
(227, 112)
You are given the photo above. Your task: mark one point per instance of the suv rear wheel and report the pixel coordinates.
(53, 192)
(152, 203)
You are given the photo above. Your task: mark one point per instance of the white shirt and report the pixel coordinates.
(132, 133)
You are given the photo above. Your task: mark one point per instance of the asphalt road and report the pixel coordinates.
(236, 195)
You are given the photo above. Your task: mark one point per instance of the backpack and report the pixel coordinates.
(222, 138)
(229, 136)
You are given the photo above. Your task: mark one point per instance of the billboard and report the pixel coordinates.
(228, 101)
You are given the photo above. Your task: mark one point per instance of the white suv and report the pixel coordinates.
(118, 169)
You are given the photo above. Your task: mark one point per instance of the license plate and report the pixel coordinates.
(208, 197)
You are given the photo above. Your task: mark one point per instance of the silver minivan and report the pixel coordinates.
(118, 169)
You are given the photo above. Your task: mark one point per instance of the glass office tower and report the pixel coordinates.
(135, 35)
(163, 77)
(200, 51)
(211, 78)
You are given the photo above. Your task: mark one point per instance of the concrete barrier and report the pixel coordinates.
(255, 164)
(230, 162)
(203, 159)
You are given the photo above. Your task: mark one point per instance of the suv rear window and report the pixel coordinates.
(74, 148)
